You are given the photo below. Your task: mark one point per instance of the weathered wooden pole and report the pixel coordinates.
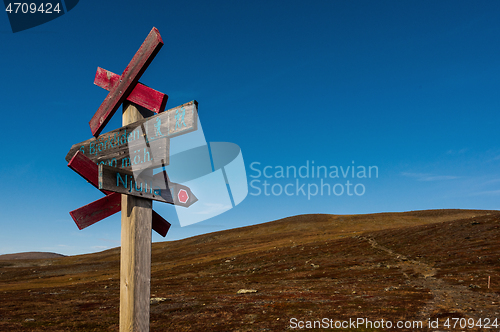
(135, 265)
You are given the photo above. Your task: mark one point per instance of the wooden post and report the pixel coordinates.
(135, 266)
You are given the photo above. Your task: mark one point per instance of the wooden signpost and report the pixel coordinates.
(141, 95)
(144, 185)
(135, 257)
(102, 208)
(120, 164)
(128, 80)
(141, 144)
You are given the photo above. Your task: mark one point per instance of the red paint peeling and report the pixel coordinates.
(131, 75)
(102, 208)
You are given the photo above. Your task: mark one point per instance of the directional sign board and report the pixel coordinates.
(126, 158)
(143, 185)
(102, 208)
(128, 80)
(142, 144)
(141, 95)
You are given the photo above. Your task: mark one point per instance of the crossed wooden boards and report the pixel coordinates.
(121, 161)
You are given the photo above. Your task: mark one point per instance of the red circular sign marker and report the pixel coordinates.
(183, 196)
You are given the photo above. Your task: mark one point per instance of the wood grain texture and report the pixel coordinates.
(141, 95)
(128, 80)
(118, 146)
(160, 225)
(96, 211)
(145, 186)
(135, 268)
(102, 208)
(87, 169)
(137, 154)
(135, 258)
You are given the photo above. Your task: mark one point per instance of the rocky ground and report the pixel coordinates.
(410, 267)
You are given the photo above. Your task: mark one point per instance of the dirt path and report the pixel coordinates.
(453, 301)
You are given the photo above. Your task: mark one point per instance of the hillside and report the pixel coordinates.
(30, 255)
(392, 266)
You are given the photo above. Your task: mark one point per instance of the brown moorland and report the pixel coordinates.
(30, 255)
(407, 267)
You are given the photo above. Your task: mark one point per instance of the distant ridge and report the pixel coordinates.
(30, 255)
(411, 266)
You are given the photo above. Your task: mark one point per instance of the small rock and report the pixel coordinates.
(29, 320)
(474, 286)
(246, 291)
(156, 300)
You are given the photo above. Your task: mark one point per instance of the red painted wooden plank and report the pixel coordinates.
(106, 79)
(128, 80)
(97, 210)
(102, 208)
(141, 95)
(107, 206)
(160, 225)
(87, 169)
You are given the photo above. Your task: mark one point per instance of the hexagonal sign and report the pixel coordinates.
(183, 196)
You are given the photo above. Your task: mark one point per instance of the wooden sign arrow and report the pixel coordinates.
(142, 144)
(110, 204)
(96, 211)
(141, 95)
(128, 80)
(143, 185)
(107, 206)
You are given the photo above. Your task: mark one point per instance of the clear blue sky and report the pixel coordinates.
(412, 87)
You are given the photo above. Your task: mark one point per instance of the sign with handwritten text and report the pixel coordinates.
(146, 185)
(141, 144)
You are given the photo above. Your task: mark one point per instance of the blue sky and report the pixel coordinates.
(411, 87)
